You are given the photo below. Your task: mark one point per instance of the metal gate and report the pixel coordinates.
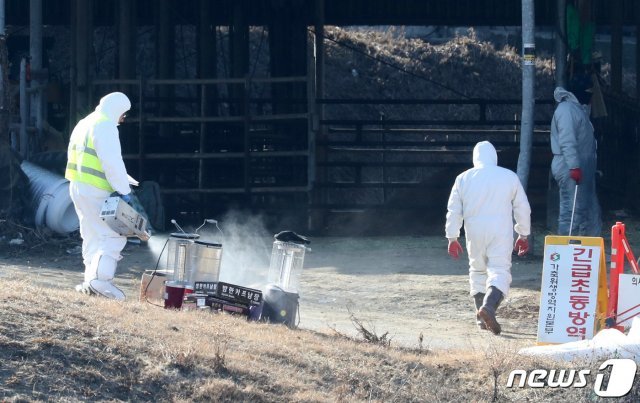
(380, 171)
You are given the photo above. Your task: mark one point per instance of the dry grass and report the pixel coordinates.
(59, 345)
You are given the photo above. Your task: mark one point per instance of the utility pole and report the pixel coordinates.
(528, 86)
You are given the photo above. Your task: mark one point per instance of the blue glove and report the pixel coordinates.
(126, 198)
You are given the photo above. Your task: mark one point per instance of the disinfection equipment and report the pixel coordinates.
(124, 219)
(205, 262)
(281, 294)
(190, 261)
(179, 261)
(287, 258)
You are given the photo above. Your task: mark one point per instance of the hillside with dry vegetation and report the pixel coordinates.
(62, 346)
(386, 64)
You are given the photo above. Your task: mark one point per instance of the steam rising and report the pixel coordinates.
(246, 248)
(155, 245)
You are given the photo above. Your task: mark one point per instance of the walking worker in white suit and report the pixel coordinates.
(487, 198)
(574, 161)
(95, 170)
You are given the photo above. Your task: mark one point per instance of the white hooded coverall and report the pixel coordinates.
(574, 146)
(485, 198)
(101, 246)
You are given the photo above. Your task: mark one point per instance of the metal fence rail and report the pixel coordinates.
(368, 164)
(213, 143)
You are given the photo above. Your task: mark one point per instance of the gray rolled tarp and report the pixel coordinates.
(52, 206)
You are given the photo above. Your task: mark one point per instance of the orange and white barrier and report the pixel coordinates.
(624, 295)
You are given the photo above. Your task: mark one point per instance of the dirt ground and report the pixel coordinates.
(406, 286)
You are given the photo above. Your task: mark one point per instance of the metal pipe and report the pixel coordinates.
(50, 200)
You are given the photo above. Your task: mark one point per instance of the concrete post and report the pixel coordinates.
(528, 86)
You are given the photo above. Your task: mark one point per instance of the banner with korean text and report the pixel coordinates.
(628, 299)
(573, 295)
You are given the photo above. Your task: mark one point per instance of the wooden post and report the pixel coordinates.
(311, 133)
(239, 49)
(35, 52)
(207, 62)
(317, 216)
(165, 58)
(126, 39)
(207, 46)
(83, 40)
(287, 44)
(247, 136)
(5, 101)
(637, 18)
(141, 151)
(616, 45)
(73, 80)
(560, 43)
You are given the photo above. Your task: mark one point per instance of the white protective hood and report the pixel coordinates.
(484, 155)
(560, 94)
(114, 105)
(106, 138)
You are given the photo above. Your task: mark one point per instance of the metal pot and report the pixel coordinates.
(205, 262)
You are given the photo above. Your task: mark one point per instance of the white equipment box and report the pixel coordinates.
(124, 219)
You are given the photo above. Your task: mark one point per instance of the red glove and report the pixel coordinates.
(576, 174)
(455, 249)
(521, 246)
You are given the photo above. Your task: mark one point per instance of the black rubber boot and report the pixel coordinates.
(487, 311)
(478, 299)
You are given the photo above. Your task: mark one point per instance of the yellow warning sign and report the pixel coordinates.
(573, 294)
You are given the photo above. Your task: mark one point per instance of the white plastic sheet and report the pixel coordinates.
(607, 343)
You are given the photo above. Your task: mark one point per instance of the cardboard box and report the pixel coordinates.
(152, 285)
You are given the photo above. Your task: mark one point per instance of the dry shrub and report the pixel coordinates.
(370, 336)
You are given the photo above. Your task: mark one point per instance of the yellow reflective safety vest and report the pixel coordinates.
(83, 164)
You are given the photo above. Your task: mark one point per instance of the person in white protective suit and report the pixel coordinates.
(574, 160)
(487, 198)
(95, 170)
